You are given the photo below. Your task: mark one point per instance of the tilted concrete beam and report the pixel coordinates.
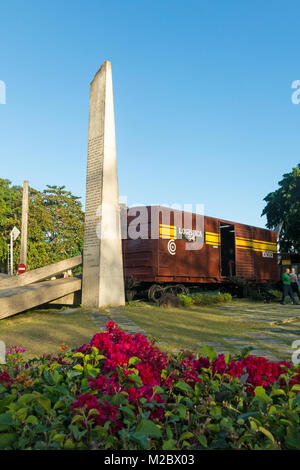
(40, 274)
(19, 299)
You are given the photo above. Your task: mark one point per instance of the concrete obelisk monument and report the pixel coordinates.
(103, 281)
(24, 224)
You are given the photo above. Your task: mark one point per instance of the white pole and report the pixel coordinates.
(11, 255)
(8, 258)
(23, 250)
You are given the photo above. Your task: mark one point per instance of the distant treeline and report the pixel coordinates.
(55, 224)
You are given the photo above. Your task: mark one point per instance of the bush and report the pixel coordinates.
(186, 300)
(204, 299)
(122, 392)
(278, 294)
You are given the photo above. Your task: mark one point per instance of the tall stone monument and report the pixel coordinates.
(24, 224)
(103, 281)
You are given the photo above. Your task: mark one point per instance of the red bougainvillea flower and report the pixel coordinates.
(86, 401)
(119, 347)
(6, 379)
(104, 411)
(259, 370)
(125, 354)
(135, 395)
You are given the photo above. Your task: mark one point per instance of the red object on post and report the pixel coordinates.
(21, 268)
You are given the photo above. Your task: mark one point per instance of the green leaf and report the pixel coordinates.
(181, 410)
(227, 358)
(186, 435)
(6, 418)
(203, 441)
(59, 438)
(75, 431)
(184, 387)
(267, 434)
(45, 403)
(6, 440)
(294, 401)
(227, 423)
(128, 412)
(147, 428)
(216, 412)
(292, 438)
(157, 389)
(93, 412)
(26, 398)
(6, 401)
(69, 444)
(134, 360)
(277, 392)
(250, 414)
(210, 353)
(169, 445)
(136, 379)
(59, 404)
(32, 420)
(260, 393)
(77, 418)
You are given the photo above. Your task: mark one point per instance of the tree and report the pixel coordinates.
(10, 213)
(283, 206)
(55, 223)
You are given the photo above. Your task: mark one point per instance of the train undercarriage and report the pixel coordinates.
(237, 287)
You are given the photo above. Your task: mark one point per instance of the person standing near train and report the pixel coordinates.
(231, 263)
(294, 281)
(287, 288)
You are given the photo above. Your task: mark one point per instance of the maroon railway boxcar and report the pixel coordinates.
(210, 251)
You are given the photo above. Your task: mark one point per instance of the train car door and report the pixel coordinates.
(227, 239)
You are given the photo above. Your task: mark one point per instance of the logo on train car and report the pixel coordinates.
(180, 233)
(267, 254)
(189, 235)
(172, 247)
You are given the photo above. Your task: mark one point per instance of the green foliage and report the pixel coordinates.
(204, 299)
(277, 293)
(283, 205)
(186, 300)
(216, 413)
(10, 213)
(55, 224)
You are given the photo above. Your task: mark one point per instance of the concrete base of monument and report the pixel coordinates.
(70, 299)
(20, 299)
(107, 293)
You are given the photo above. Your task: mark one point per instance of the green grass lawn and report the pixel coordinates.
(187, 327)
(43, 331)
(228, 327)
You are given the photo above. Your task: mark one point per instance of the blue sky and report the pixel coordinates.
(202, 95)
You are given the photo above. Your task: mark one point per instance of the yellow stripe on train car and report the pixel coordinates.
(253, 240)
(212, 238)
(167, 231)
(256, 245)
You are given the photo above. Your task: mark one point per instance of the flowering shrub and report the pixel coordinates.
(122, 392)
(15, 354)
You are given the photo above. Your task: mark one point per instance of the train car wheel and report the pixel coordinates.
(130, 294)
(155, 292)
(181, 289)
(170, 290)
